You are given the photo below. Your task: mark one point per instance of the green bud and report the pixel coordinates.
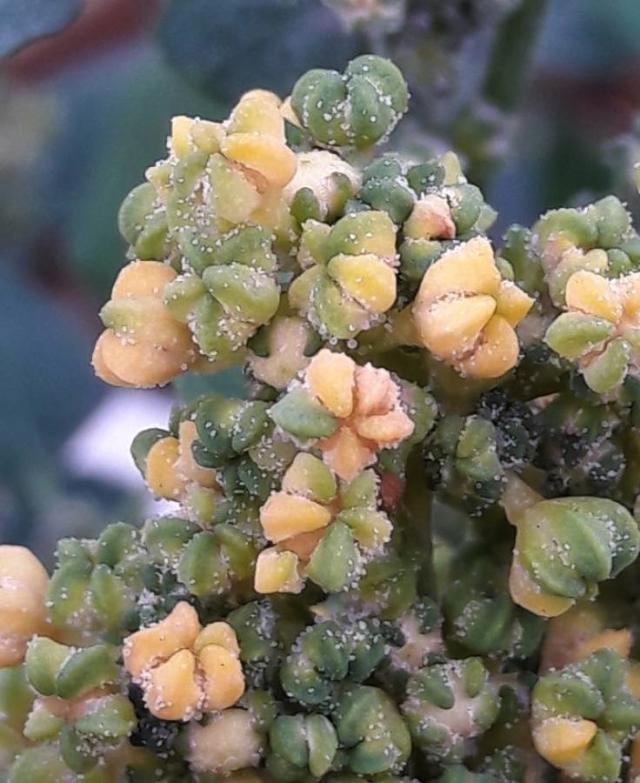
(572, 335)
(358, 108)
(329, 653)
(466, 202)
(40, 764)
(385, 188)
(335, 561)
(613, 221)
(298, 414)
(608, 370)
(369, 724)
(569, 545)
(143, 223)
(438, 694)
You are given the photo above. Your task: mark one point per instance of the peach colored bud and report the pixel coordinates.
(23, 586)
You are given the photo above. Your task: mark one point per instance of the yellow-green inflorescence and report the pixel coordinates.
(407, 552)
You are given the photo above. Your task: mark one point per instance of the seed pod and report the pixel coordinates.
(583, 714)
(448, 704)
(357, 108)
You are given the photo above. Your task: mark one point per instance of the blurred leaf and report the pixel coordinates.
(115, 115)
(229, 383)
(231, 46)
(48, 385)
(23, 21)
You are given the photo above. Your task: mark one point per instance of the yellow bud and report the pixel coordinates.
(451, 327)
(257, 111)
(497, 352)
(181, 141)
(207, 136)
(386, 429)
(593, 295)
(143, 278)
(526, 593)
(221, 634)
(272, 159)
(277, 572)
(224, 680)
(512, 303)
(467, 269)
(562, 740)
(283, 516)
(146, 647)
(161, 475)
(331, 378)
(171, 692)
(23, 586)
(367, 279)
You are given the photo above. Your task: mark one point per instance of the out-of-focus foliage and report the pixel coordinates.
(23, 22)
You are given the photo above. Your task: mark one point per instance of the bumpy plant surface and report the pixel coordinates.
(408, 552)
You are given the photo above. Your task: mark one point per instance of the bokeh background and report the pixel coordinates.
(539, 96)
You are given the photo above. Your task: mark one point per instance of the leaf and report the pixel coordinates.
(24, 21)
(231, 46)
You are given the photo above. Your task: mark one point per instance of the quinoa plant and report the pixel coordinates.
(408, 552)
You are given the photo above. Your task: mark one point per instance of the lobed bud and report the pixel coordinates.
(183, 668)
(582, 714)
(143, 345)
(448, 704)
(466, 315)
(23, 585)
(349, 412)
(358, 108)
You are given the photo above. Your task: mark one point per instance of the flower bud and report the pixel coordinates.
(183, 668)
(448, 704)
(357, 108)
(583, 714)
(466, 314)
(23, 585)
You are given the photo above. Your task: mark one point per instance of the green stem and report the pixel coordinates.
(416, 513)
(511, 54)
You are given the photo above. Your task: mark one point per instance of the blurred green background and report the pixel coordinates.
(539, 97)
